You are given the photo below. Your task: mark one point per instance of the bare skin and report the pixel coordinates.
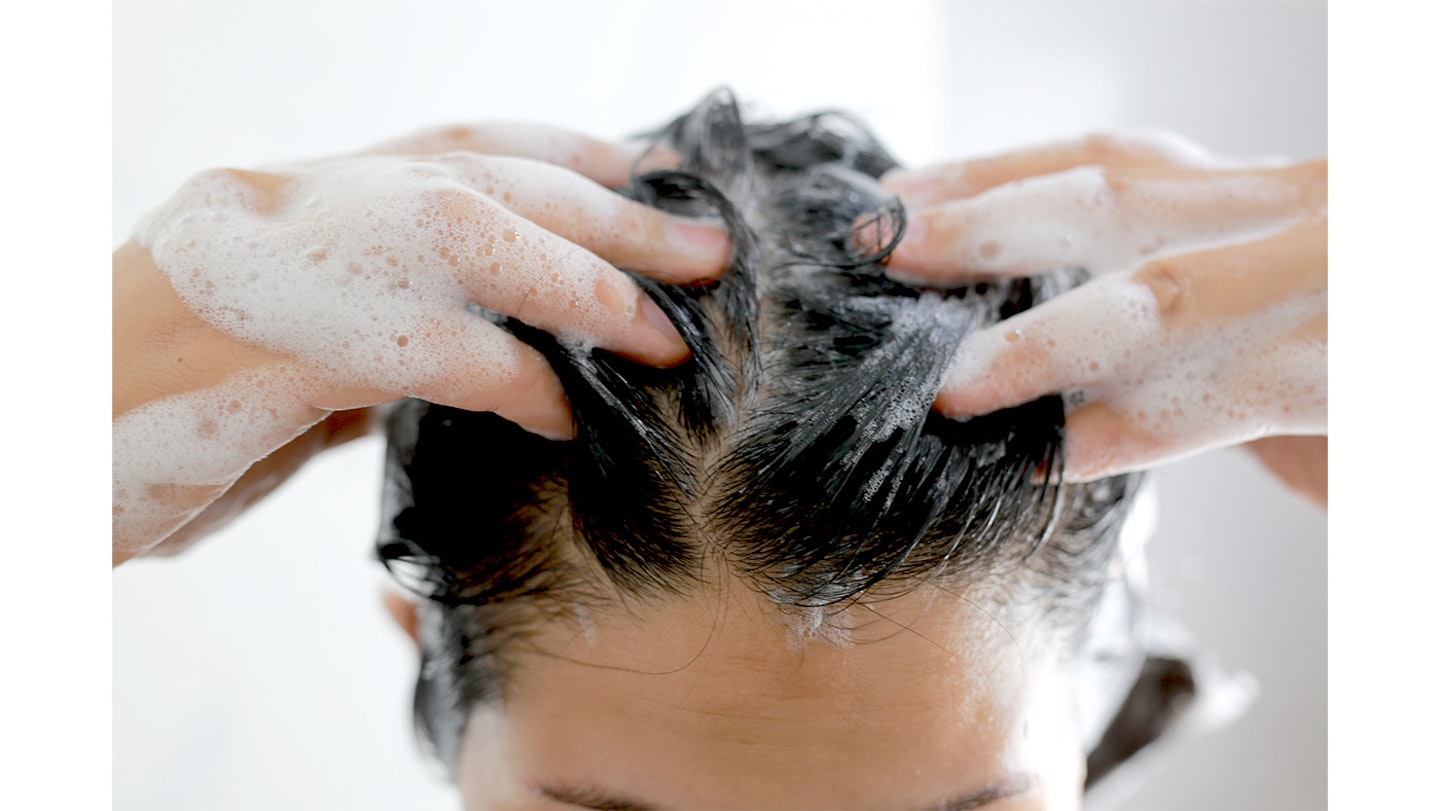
(1227, 267)
(544, 187)
(717, 701)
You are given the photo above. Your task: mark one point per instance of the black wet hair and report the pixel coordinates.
(798, 447)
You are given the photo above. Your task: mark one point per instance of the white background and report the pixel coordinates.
(259, 671)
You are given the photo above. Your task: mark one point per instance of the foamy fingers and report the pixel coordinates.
(621, 231)
(932, 185)
(490, 370)
(1106, 220)
(344, 266)
(513, 266)
(1101, 331)
(1189, 353)
(604, 162)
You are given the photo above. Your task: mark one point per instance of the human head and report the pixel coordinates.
(739, 559)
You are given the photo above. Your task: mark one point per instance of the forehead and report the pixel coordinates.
(923, 694)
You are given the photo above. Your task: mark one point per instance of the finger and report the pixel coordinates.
(1104, 220)
(1301, 462)
(949, 181)
(651, 157)
(510, 265)
(493, 371)
(402, 612)
(1066, 343)
(621, 231)
(1100, 442)
(604, 162)
(1250, 316)
(466, 362)
(1222, 285)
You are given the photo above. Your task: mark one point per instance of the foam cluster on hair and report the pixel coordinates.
(798, 447)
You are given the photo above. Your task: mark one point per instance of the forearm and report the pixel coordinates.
(266, 475)
(192, 410)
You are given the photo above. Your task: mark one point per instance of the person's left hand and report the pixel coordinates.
(1205, 326)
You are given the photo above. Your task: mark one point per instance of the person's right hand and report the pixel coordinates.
(253, 310)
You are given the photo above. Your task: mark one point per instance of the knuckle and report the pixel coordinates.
(455, 133)
(1172, 285)
(527, 377)
(603, 162)
(589, 153)
(461, 137)
(265, 190)
(1117, 183)
(657, 228)
(1103, 147)
(267, 182)
(525, 380)
(938, 227)
(640, 229)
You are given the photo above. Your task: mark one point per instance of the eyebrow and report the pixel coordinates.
(594, 798)
(989, 794)
(601, 800)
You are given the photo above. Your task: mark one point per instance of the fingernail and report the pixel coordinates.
(908, 253)
(705, 250)
(705, 238)
(545, 411)
(675, 351)
(557, 432)
(971, 364)
(659, 321)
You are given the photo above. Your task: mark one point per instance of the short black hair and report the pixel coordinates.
(798, 446)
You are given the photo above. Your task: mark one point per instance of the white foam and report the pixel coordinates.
(1085, 218)
(1182, 151)
(1189, 388)
(364, 267)
(173, 457)
(361, 269)
(809, 623)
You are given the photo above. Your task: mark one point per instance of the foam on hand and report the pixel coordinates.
(1087, 218)
(365, 267)
(173, 457)
(361, 270)
(1188, 388)
(1182, 151)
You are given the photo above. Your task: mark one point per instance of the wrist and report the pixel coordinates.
(159, 348)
